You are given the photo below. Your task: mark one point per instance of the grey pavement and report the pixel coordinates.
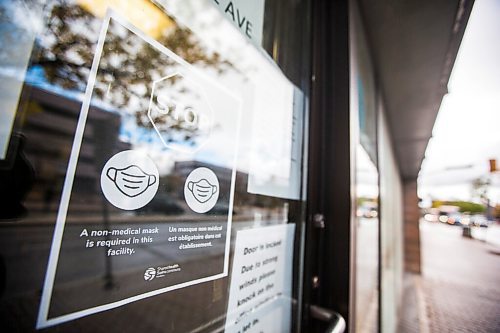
(459, 290)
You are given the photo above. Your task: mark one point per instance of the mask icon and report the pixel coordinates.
(131, 181)
(202, 190)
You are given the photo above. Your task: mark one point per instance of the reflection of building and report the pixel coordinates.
(49, 123)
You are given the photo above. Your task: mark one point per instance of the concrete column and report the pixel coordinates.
(411, 213)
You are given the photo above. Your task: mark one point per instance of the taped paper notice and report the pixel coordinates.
(261, 281)
(276, 162)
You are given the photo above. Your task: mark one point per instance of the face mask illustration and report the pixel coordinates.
(131, 181)
(202, 190)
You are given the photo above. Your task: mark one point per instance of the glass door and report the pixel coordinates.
(152, 158)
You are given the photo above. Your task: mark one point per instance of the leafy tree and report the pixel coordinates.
(480, 187)
(464, 206)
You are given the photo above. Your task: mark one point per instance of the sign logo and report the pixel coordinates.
(129, 180)
(201, 190)
(149, 274)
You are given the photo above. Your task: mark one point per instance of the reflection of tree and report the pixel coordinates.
(65, 55)
(464, 206)
(480, 188)
(66, 52)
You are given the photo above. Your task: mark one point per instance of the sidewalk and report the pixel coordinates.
(414, 312)
(459, 290)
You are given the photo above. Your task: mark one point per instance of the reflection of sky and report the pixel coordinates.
(466, 133)
(36, 77)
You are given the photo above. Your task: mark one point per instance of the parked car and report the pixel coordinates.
(479, 220)
(429, 217)
(443, 217)
(454, 219)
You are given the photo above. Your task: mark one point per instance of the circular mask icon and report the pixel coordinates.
(201, 190)
(129, 180)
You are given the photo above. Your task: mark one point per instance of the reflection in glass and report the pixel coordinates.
(367, 231)
(45, 73)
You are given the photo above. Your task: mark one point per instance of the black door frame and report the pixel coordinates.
(328, 273)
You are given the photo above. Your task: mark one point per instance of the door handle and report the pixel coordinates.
(336, 323)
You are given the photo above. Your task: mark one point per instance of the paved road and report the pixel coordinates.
(460, 282)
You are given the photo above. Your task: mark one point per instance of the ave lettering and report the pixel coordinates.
(238, 18)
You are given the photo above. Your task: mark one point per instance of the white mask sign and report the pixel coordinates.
(148, 196)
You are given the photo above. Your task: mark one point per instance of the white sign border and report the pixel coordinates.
(43, 321)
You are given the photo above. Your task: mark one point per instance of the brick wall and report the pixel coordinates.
(411, 213)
